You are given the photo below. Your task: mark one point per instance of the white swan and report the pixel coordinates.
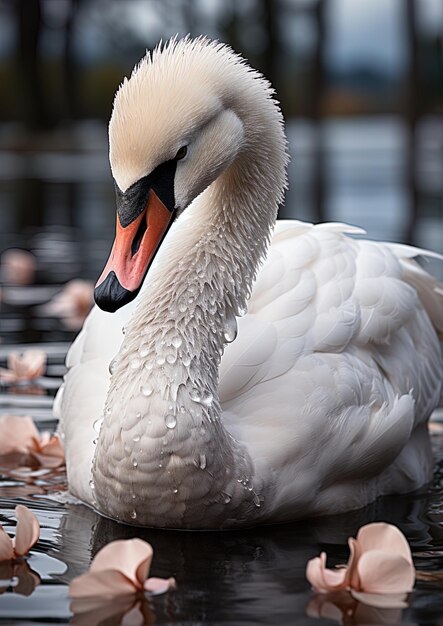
(319, 405)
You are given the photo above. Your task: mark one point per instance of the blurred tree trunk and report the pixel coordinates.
(316, 108)
(70, 74)
(32, 96)
(230, 27)
(270, 60)
(29, 201)
(189, 16)
(412, 116)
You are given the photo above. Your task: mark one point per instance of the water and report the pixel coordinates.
(246, 577)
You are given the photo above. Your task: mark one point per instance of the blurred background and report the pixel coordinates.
(360, 83)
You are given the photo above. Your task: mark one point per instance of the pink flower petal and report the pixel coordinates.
(6, 546)
(131, 557)
(27, 365)
(382, 536)
(45, 438)
(385, 573)
(7, 375)
(104, 583)
(48, 462)
(355, 553)
(17, 434)
(74, 301)
(323, 579)
(156, 586)
(51, 453)
(381, 601)
(27, 532)
(17, 267)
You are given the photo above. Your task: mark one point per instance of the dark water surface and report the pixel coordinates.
(252, 576)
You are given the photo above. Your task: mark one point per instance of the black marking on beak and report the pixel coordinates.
(132, 202)
(110, 295)
(138, 237)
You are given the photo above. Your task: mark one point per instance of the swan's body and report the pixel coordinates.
(319, 405)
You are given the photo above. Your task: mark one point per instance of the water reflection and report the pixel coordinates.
(249, 577)
(236, 574)
(344, 609)
(129, 611)
(18, 577)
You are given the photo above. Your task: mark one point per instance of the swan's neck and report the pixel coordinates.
(163, 450)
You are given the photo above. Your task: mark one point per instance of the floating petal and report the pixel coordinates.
(27, 532)
(382, 536)
(131, 557)
(28, 364)
(383, 572)
(323, 579)
(6, 546)
(17, 434)
(156, 586)
(51, 453)
(104, 583)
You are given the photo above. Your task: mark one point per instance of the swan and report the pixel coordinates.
(261, 371)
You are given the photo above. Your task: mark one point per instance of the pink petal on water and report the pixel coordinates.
(323, 579)
(27, 532)
(355, 553)
(17, 434)
(28, 364)
(382, 536)
(6, 546)
(7, 376)
(104, 583)
(120, 568)
(156, 586)
(51, 453)
(131, 557)
(74, 301)
(382, 572)
(17, 267)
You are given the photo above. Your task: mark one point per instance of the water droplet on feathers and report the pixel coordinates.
(230, 329)
(170, 421)
(97, 425)
(147, 389)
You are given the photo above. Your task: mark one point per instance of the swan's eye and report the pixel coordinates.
(182, 152)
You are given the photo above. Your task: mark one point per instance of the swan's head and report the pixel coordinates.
(176, 125)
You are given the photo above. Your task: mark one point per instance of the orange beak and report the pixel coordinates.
(133, 250)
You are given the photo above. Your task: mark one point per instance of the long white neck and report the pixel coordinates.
(163, 450)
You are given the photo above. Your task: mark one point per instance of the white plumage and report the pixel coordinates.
(318, 406)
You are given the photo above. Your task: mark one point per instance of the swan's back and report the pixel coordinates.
(336, 365)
